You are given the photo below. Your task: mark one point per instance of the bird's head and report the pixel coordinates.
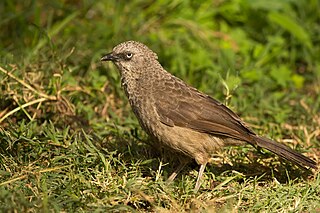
(131, 56)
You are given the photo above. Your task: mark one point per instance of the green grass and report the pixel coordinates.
(69, 141)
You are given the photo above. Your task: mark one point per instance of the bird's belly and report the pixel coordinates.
(199, 146)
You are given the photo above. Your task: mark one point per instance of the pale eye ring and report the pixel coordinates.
(129, 55)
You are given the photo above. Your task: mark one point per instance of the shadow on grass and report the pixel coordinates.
(265, 167)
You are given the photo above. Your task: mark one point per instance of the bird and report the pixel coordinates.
(179, 117)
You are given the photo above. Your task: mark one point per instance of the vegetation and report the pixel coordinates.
(69, 141)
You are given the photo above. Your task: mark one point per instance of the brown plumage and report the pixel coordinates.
(180, 117)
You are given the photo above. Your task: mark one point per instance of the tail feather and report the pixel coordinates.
(285, 152)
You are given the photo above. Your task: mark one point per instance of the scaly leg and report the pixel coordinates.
(178, 169)
(201, 170)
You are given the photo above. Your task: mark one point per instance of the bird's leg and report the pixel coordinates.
(177, 170)
(201, 170)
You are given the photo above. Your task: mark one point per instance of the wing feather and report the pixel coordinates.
(199, 112)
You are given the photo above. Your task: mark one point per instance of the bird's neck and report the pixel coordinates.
(139, 81)
(134, 86)
(138, 86)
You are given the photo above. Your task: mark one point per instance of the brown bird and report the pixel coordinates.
(181, 118)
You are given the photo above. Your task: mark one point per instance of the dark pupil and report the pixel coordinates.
(129, 55)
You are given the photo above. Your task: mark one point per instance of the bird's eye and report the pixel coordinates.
(129, 55)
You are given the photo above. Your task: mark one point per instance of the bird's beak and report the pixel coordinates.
(109, 57)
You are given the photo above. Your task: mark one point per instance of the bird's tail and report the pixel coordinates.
(285, 152)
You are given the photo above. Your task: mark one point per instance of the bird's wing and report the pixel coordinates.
(186, 107)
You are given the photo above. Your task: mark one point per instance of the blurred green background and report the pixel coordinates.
(60, 106)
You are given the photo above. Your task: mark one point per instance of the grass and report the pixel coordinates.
(69, 141)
